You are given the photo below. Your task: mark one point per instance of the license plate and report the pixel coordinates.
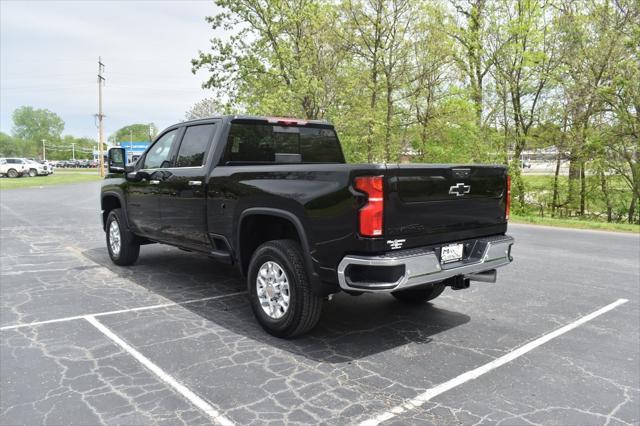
(451, 253)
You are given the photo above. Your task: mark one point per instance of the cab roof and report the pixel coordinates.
(261, 118)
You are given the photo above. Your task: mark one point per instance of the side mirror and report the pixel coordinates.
(116, 160)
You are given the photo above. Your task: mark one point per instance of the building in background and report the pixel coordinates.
(133, 150)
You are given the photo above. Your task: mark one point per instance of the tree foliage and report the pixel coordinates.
(205, 108)
(450, 81)
(33, 125)
(134, 133)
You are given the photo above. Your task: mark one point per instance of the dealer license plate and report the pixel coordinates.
(451, 253)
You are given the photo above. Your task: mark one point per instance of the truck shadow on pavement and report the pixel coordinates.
(350, 328)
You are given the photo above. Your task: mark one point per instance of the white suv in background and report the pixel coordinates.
(37, 169)
(13, 167)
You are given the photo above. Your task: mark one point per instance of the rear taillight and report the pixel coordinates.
(371, 214)
(507, 205)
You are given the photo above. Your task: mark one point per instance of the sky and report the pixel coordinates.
(49, 52)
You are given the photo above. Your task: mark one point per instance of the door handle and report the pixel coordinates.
(154, 182)
(195, 182)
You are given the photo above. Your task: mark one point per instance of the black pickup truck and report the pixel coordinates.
(275, 197)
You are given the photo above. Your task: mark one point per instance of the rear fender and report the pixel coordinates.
(297, 224)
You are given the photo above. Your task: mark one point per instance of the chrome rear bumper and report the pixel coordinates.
(402, 269)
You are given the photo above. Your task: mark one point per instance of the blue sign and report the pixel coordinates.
(133, 150)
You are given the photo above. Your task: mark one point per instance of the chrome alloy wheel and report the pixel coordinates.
(114, 238)
(272, 286)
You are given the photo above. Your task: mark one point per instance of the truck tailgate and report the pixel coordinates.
(427, 201)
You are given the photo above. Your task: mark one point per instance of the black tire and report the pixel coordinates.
(304, 306)
(12, 173)
(33, 173)
(416, 296)
(129, 249)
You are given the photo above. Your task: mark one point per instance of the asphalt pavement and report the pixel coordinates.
(172, 340)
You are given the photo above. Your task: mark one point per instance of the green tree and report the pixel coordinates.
(597, 45)
(470, 28)
(10, 146)
(134, 132)
(31, 126)
(274, 58)
(429, 91)
(526, 63)
(621, 98)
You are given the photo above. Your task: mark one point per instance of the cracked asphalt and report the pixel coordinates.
(367, 355)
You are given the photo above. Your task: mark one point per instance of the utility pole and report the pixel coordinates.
(44, 152)
(73, 151)
(101, 81)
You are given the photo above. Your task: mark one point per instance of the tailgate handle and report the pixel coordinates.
(195, 182)
(461, 173)
(154, 182)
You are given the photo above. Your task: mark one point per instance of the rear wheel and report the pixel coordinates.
(121, 243)
(12, 173)
(279, 289)
(415, 296)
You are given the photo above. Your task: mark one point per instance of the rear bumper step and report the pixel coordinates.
(489, 276)
(403, 269)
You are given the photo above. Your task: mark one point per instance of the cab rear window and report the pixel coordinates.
(265, 143)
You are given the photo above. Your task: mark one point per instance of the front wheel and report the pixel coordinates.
(121, 243)
(415, 296)
(279, 289)
(33, 172)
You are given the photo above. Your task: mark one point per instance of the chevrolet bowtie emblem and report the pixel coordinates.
(459, 189)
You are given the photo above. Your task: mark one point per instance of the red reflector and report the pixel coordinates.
(507, 208)
(371, 214)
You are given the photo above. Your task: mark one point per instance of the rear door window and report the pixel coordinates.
(195, 145)
(259, 143)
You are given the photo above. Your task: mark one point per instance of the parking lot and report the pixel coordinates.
(172, 340)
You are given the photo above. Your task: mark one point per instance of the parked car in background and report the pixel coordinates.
(72, 163)
(37, 169)
(50, 165)
(84, 164)
(12, 167)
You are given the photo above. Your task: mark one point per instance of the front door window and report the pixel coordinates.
(158, 155)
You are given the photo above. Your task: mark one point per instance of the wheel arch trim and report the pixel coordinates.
(123, 207)
(297, 224)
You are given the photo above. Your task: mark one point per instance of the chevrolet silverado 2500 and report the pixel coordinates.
(275, 197)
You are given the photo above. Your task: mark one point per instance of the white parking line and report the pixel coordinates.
(168, 379)
(483, 369)
(100, 314)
